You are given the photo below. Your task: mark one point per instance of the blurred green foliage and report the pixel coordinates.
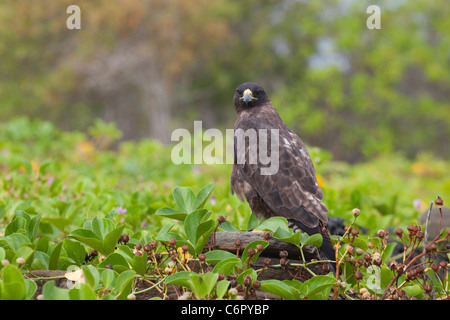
(155, 66)
(70, 176)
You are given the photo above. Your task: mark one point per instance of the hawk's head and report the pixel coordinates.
(249, 95)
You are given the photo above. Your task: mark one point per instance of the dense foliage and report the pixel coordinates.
(152, 66)
(114, 218)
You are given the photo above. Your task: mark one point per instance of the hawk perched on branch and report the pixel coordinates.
(290, 191)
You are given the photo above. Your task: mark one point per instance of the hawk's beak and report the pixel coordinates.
(248, 96)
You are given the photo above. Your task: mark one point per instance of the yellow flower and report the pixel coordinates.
(185, 256)
(35, 166)
(419, 168)
(320, 181)
(85, 149)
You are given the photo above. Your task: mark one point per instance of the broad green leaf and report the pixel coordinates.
(288, 236)
(315, 239)
(225, 266)
(204, 230)
(51, 292)
(91, 276)
(107, 277)
(215, 256)
(388, 250)
(249, 272)
(82, 292)
(54, 257)
(253, 245)
(89, 238)
(33, 227)
(75, 251)
(277, 288)
(192, 222)
(222, 288)
(203, 195)
(44, 167)
(413, 290)
(181, 278)
(203, 283)
(2, 253)
(171, 213)
(318, 287)
(31, 288)
(40, 261)
(184, 198)
(272, 224)
(13, 284)
(25, 253)
(124, 283)
(139, 263)
(17, 225)
(16, 241)
(111, 239)
(117, 261)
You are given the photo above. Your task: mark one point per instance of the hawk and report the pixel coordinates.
(292, 190)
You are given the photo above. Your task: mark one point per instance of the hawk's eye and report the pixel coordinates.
(239, 92)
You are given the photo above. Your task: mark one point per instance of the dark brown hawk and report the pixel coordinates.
(292, 190)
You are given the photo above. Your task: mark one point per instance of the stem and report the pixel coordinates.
(426, 225)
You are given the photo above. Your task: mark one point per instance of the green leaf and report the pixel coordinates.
(192, 222)
(107, 277)
(181, 278)
(111, 239)
(82, 292)
(2, 253)
(51, 292)
(203, 283)
(204, 230)
(222, 288)
(13, 284)
(33, 227)
(25, 253)
(124, 283)
(17, 225)
(171, 213)
(31, 288)
(89, 238)
(139, 263)
(184, 198)
(91, 276)
(225, 266)
(388, 250)
(253, 245)
(75, 251)
(16, 241)
(413, 290)
(203, 195)
(272, 224)
(288, 236)
(44, 167)
(215, 256)
(315, 239)
(318, 287)
(277, 288)
(117, 261)
(54, 257)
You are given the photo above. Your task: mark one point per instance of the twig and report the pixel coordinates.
(426, 227)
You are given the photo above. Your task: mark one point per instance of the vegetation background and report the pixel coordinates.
(86, 115)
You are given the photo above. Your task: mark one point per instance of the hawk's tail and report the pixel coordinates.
(327, 247)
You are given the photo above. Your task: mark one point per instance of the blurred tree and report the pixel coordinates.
(153, 65)
(372, 91)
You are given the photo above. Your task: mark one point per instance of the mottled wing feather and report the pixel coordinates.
(292, 192)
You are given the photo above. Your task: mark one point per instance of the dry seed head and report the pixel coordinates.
(439, 202)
